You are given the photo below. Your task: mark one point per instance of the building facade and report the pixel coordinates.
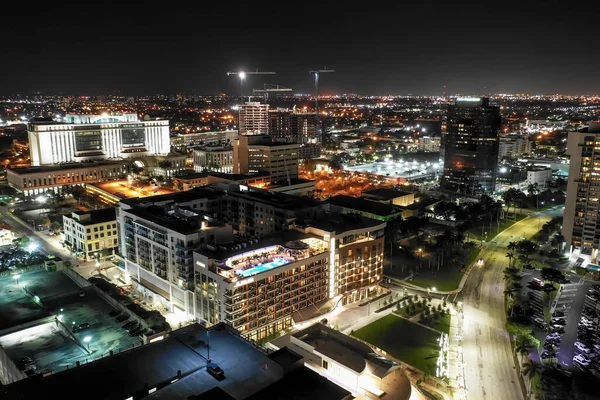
(96, 137)
(257, 153)
(157, 236)
(92, 234)
(429, 144)
(471, 146)
(218, 158)
(36, 180)
(581, 222)
(253, 118)
(511, 147)
(292, 126)
(539, 176)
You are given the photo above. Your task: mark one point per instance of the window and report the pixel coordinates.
(114, 226)
(101, 228)
(96, 229)
(89, 247)
(87, 230)
(325, 364)
(96, 236)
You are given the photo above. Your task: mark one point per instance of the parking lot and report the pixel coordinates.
(17, 307)
(571, 335)
(53, 349)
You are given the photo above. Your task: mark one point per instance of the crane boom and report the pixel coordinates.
(316, 73)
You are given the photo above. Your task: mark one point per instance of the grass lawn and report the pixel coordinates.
(443, 324)
(444, 280)
(408, 342)
(475, 232)
(415, 308)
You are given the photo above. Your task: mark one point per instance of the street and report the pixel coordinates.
(489, 364)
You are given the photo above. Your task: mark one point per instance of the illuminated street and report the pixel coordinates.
(485, 338)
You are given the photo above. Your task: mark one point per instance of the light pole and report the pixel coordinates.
(208, 345)
(16, 277)
(87, 340)
(420, 258)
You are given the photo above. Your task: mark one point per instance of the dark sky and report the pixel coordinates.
(410, 47)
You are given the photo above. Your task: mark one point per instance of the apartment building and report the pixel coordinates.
(253, 118)
(92, 234)
(32, 181)
(512, 146)
(582, 206)
(157, 236)
(429, 144)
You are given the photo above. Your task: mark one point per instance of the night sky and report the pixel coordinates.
(410, 47)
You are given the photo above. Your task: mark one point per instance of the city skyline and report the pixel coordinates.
(408, 49)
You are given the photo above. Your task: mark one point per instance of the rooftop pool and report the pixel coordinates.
(257, 269)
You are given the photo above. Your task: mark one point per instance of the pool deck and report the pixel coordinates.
(257, 269)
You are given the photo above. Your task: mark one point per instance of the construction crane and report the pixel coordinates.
(316, 73)
(243, 74)
(268, 88)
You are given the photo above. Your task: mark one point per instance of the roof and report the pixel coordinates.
(185, 225)
(156, 365)
(339, 223)
(345, 350)
(61, 167)
(203, 192)
(386, 193)
(276, 199)
(304, 384)
(364, 205)
(98, 216)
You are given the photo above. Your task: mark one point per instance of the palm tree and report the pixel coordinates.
(522, 347)
(511, 258)
(531, 369)
(512, 247)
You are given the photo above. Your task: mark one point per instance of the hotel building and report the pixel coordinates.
(96, 137)
(253, 118)
(91, 232)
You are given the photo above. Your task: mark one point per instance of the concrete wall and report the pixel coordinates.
(9, 372)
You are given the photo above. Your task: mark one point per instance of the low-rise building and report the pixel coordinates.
(429, 144)
(92, 234)
(390, 196)
(512, 146)
(32, 181)
(217, 158)
(539, 176)
(367, 208)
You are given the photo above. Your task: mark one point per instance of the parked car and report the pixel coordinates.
(557, 329)
(121, 318)
(539, 322)
(557, 314)
(81, 327)
(581, 347)
(546, 354)
(553, 336)
(215, 370)
(129, 324)
(137, 331)
(114, 313)
(558, 321)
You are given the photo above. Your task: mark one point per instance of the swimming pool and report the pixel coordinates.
(257, 269)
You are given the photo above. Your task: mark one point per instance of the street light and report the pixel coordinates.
(87, 340)
(17, 278)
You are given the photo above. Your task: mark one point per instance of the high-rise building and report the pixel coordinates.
(96, 137)
(253, 118)
(257, 153)
(471, 146)
(292, 126)
(581, 222)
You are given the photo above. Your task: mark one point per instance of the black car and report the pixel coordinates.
(129, 324)
(558, 321)
(121, 318)
(546, 354)
(114, 313)
(558, 314)
(137, 331)
(81, 327)
(550, 346)
(215, 370)
(558, 329)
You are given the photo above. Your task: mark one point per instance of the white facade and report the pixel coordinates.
(539, 176)
(91, 232)
(429, 144)
(253, 118)
(219, 159)
(95, 138)
(513, 147)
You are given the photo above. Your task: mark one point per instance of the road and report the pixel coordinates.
(489, 364)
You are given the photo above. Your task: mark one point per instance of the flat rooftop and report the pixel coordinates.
(123, 190)
(339, 223)
(361, 204)
(247, 370)
(62, 167)
(183, 224)
(276, 200)
(203, 192)
(386, 193)
(98, 216)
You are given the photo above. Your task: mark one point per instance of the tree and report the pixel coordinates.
(526, 247)
(45, 221)
(55, 226)
(511, 258)
(552, 275)
(531, 369)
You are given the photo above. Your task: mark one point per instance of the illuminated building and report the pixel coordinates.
(581, 228)
(217, 158)
(292, 126)
(429, 144)
(96, 137)
(253, 118)
(91, 233)
(257, 153)
(471, 146)
(513, 146)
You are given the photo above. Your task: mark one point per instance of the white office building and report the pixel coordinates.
(91, 233)
(96, 137)
(217, 158)
(429, 144)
